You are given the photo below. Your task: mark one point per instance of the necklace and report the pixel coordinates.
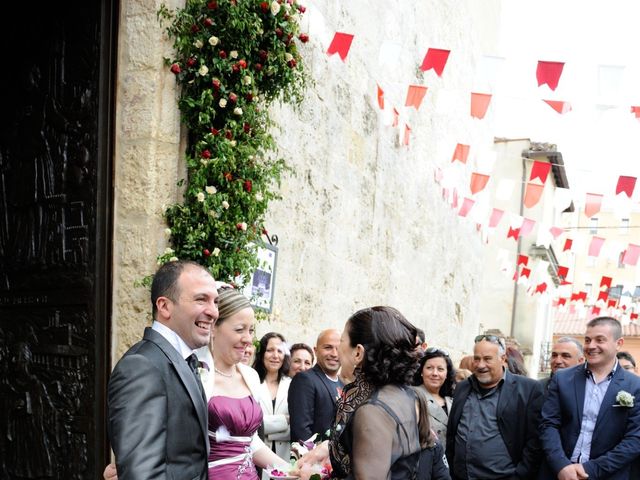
(228, 375)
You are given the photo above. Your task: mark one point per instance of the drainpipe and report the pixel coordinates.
(515, 284)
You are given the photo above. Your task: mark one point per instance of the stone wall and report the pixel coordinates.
(362, 221)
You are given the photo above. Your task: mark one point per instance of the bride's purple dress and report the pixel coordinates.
(241, 417)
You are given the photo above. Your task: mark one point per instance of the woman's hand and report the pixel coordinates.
(319, 455)
(110, 472)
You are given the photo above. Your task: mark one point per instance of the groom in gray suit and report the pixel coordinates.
(156, 405)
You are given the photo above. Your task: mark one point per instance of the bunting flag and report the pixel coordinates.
(562, 302)
(454, 201)
(496, 216)
(595, 246)
(593, 204)
(540, 170)
(380, 98)
(605, 282)
(575, 297)
(549, 73)
(532, 194)
(527, 227)
(513, 233)
(611, 303)
(461, 153)
(415, 94)
(626, 185)
(631, 255)
(525, 272)
(466, 207)
(480, 104)
(407, 134)
(478, 182)
(541, 287)
(563, 272)
(340, 44)
(595, 310)
(633, 316)
(556, 232)
(567, 245)
(559, 106)
(435, 58)
(636, 112)
(603, 296)
(522, 260)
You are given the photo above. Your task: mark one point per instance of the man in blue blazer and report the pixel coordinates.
(591, 418)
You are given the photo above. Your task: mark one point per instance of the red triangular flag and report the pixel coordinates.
(559, 106)
(603, 296)
(415, 94)
(380, 98)
(595, 246)
(626, 185)
(513, 233)
(605, 282)
(436, 59)
(496, 216)
(630, 257)
(562, 301)
(480, 104)
(340, 44)
(611, 303)
(532, 194)
(595, 310)
(540, 170)
(522, 260)
(556, 232)
(407, 133)
(549, 73)
(461, 153)
(467, 205)
(563, 271)
(478, 182)
(541, 287)
(525, 272)
(633, 316)
(593, 204)
(636, 111)
(567, 244)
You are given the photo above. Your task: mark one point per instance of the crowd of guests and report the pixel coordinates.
(372, 399)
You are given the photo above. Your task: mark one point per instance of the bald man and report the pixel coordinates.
(313, 394)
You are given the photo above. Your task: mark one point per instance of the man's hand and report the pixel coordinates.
(110, 472)
(575, 471)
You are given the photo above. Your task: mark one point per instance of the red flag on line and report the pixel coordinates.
(541, 287)
(435, 58)
(636, 112)
(626, 185)
(340, 44)
(603, 296)
(525, 272)
(522, 260)
(593, 204)
(633, 316)
(595, 310)
(562, 301)
(578, 296)
(415, 94)
(563, 271)
(549, 73)
(461, 153)
(631, 255)
(611, 303)
(480, 104)
(540, 170)
(567, 244)
(380, 98)
(605, 282)
(532, 194)
(559, 106)
(478, 182)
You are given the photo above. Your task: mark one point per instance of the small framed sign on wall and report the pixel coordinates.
(260, 288)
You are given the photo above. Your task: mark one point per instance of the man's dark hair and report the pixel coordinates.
(421, 335)
(616, 328)
(626, 356)
(165, 281)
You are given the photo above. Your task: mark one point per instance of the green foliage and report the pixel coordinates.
(233, 58)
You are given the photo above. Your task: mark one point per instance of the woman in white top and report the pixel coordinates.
(272, 365)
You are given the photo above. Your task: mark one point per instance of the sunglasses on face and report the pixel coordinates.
(489, 338)
(432, 350)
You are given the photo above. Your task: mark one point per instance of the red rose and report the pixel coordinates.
(206, 154)
(248, 186)
(302, 8)
(264, 6)
(279, 32)
(235, 68)
(263, 55)
(242, 63)
(233, 98)
(222, 54)
(228, 177)
(292, 63)
(206, 252)
(175, 68)
(191, 62)
(258, 67)
(228, 134)
(264, 231)
(216, 84)
(246, 127)
(212, 5)
(214, 131)
(239, 227)
(195, 28)
(304, 38)
(249, 97)
(208, 22)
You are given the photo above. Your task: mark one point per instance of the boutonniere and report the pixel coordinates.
(624, 399)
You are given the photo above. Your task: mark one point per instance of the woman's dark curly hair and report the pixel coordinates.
(389, 342)
(446, 390)
(258, 362)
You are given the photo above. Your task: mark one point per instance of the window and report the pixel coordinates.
(615, 292)
(587, 288)
(624, 226)
(593, 225)
(620, 257)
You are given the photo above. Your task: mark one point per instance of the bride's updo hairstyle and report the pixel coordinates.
(230, 301)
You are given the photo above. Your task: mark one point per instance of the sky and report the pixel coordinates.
(598, 144)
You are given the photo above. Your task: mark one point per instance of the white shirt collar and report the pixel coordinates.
(173, 338)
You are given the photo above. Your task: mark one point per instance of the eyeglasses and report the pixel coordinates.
(628, 366)
(432, 350)
(490, 338)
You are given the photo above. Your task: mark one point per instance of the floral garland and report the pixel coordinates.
(233, 58)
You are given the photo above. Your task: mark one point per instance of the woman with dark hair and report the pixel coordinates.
(515, 361)
(382, 425)
(302, 358)
(272, 365)
(436, 377)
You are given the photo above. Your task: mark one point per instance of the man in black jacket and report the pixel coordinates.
(493, 425)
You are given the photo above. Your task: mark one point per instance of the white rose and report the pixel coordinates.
(260, 31)
(259, 197)
(213, 40)
(233, 143)
(173, 259)
(233, 54)
(237, 111)
(168, 251)
(243, 226)
(294, 18)
(287, 7)
(203, 70)
(200, 196)
(225, 204)
(275, 7)
(222, 103)
(211, 190)
(167, 232)
(216, 252)
(198, 44)
(204, 161)
(213, 214)
(246, 80)
(288, 57)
